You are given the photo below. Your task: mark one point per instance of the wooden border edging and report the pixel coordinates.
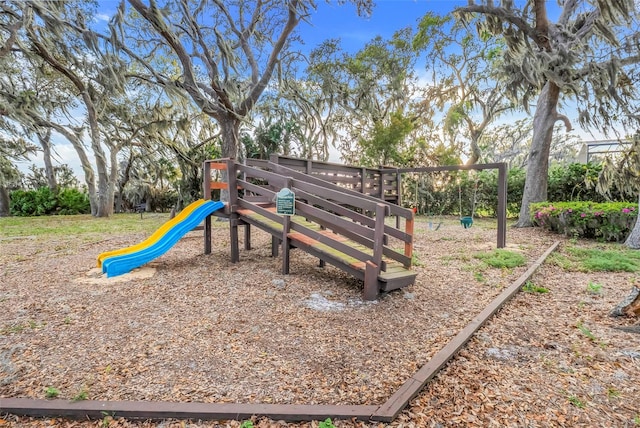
(175, 410)
(287, 412)
(400, 399)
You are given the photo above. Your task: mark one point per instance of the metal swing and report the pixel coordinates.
(467, 221)
(434, 222)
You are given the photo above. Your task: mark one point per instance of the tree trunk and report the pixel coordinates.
(230, 130)
(87, 168)
(535, 187)
(106, 189)
(126, 175)
(629, 306)
(4, 202)
(475, 151)
(45, 142)
(633, 240)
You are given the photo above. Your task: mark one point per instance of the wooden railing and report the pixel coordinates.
(382, 183)
(347, 212)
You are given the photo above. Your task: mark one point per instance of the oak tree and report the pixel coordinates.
(589, 55)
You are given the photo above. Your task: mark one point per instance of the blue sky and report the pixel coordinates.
(332, 20)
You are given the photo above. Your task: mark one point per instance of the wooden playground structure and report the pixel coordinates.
(339, 216)
(341, 221)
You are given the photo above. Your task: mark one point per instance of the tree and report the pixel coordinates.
(384, 145)
(624, 176)
(587, 55)
(39, 177)
(510, 142)
(236, 44)
(56, 34)
(302, 102)
(11, 149)
(363, 91)
(465, 86)
(27, 88)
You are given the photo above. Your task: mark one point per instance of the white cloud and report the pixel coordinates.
(102, 17)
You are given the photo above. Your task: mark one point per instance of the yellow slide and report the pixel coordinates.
(156, 235)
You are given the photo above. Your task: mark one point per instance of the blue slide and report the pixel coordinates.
(121, 264)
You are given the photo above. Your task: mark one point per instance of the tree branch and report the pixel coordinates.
(153, 15)
(501, 13)
(292, 21)
(564, 119)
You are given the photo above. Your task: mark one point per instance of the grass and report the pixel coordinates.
(82, 395)
(326, 424)
(594, 288)
(613, 393)
(79, 224)
(577, 402)
(70, 225)
(607, 258)
(587, 332)
(19, 328)
(51, 392)
(502, 258)
(530, 287)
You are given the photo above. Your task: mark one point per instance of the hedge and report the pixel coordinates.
(609, 221)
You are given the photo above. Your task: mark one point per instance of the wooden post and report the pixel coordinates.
(232, 186)
(286, 227)
(408, 246)
(247, 236)
(399, 196)
(206, 195)
(502, 205)
(378, 235)
(322, 263)
(363, 179)
(273, 157)
(370, 291)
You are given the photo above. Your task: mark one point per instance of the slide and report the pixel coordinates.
(121, 261)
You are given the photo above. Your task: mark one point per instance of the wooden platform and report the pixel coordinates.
(392, 276)
(336, 224)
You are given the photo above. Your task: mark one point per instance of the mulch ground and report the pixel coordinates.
(201, 329)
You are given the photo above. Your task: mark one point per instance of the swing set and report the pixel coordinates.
(467, 221)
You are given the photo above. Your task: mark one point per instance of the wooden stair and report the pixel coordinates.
(392, 276)
(337, 225)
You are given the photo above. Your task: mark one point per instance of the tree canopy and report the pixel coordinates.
(587, 55)
(174, 83)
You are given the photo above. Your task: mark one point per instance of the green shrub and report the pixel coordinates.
(32, 202)
(611, 221)
(574, 182)
(28, 203)
(73, 201)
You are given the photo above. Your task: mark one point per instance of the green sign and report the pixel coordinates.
(285, 202)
